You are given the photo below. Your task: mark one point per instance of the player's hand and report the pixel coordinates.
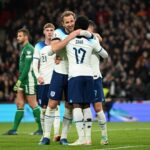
(98, 36)
(17, 85)
(85, 33)
(81, 33)
(57, 60)
(40, 80)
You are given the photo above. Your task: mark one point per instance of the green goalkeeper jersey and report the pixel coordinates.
(26, 74)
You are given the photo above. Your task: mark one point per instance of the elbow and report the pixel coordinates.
(54, 48)
(105, 56)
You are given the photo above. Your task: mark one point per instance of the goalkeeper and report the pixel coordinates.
(26, 84)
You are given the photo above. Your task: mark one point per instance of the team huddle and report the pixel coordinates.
(65, 66)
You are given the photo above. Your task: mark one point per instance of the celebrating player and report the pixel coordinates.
(81, 84)
(98, 88)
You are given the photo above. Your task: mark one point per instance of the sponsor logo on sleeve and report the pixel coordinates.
(52, 93)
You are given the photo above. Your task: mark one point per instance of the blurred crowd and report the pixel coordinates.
(123, 24)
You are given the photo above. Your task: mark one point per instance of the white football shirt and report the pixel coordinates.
(79, 51)
(95, 63)
(62, 67)
(46, 61)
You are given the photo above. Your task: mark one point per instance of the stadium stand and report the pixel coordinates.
(123, 24)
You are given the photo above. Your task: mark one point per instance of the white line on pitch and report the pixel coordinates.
(123, 147)
(110, 130)
(127, 129)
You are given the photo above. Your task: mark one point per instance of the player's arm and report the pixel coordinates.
(36, 60)
(24, 73)
(56, 46)
(35, 67)
(28, 61)
(36, 70)
(98, 36)
(100, 50)
(103, 53)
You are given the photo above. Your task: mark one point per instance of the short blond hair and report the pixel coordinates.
(66, 14)
(48, 25)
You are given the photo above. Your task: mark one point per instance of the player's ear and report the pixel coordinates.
(26, 37)
(62, 23)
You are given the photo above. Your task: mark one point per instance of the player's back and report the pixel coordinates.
(79, 51)
(46, 60)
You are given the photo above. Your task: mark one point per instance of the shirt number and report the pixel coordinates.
(79, 54)
(44, 59)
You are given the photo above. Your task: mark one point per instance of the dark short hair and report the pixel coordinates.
(25, 31)
(82, 22)
(91, 23)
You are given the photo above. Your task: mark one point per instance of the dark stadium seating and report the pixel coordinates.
(123, 24)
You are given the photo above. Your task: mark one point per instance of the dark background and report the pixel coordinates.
(123, 24)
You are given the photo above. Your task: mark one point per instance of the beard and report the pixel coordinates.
(20, 42)
(69, 30)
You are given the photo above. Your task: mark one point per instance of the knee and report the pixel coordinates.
(98, 109)
(33, 104)
(67, 105)
(20, 104)
(53, 104)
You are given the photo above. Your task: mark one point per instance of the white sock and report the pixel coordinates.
(42, 115)
(67, 119)
(78, 119)
(48, 121)
(102, 122)
(57, 122)
(87, 123)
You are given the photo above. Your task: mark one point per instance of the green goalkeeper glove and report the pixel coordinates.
(17, 85)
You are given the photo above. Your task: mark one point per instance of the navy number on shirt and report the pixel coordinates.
(44, 59)
(80, 54)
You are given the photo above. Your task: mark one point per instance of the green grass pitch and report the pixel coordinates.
(126, 136)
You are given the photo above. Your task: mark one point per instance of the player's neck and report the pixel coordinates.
(25, 42)
(67, 31)
(47, 41)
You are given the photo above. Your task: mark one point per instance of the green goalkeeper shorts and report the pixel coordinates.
(28, 89)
